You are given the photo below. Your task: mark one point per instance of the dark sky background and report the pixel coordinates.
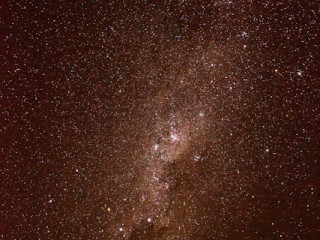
(160, 120)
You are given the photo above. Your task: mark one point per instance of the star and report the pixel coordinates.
(174, 137)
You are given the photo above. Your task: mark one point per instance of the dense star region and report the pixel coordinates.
(164, 120)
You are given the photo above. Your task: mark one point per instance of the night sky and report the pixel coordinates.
(164, 120)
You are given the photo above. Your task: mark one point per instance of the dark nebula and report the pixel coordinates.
(188, 120)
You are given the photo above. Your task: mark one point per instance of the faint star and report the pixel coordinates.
(196, 157)
(156, 147)
(299, 73)
(244, 34)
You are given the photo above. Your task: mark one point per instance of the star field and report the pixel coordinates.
(160, 120)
